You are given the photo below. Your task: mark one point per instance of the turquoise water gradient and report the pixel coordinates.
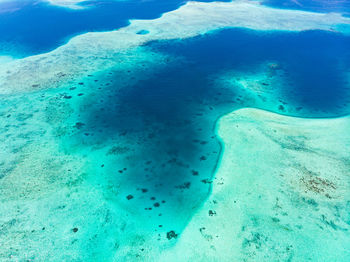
(168, 117)
(124, 157)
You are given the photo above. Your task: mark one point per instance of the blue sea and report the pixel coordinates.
(117, 163)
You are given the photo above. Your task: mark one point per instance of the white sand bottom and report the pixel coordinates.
(281, 193)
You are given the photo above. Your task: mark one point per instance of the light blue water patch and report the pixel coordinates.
(344, 28)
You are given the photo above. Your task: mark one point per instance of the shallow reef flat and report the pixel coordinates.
(73, 4)
(62, 191)
(93, 52)
(69, 192)
(110, 168)
(280, 193)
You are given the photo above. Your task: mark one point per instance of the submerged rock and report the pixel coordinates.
(171, 234)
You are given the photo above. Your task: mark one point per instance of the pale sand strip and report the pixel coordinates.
(93, 52)
(73, 4)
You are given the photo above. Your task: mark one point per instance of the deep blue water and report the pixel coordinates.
(315, 62)
(342, 6)
(31, 27)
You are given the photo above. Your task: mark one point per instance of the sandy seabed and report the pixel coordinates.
(280, 193)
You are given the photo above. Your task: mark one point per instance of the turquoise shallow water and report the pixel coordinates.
(140, 137)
